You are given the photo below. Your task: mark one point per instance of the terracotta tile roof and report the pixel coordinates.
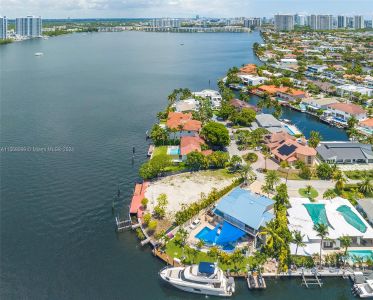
(274, 139)
(350, 108)
(271, 89)
(248, 69)
(190, 143)
(176, 119)
(294, 149)
(367, 122)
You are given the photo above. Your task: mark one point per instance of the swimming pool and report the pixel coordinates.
(173, 150)
(351, 218)
(317, 213)
(200, 235)
(289, 130)
(364, 254)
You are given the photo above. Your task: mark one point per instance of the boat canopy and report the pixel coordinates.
(206, 268)
(229, 233)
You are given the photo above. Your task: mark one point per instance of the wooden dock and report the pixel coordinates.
(256, 281)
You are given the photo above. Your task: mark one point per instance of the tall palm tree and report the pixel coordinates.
(308, 189)
(322, 232)
(298, 240)
(272, 238)
(366, 186)
(244, 171)
(266, 155)
(340, 180)
(271, 179)
(285, 165)
(346, 242)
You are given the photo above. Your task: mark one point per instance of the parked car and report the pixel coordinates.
(194, 224)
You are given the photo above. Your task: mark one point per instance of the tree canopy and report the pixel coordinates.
(216, 134)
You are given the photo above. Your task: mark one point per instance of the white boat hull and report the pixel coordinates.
(201, 291)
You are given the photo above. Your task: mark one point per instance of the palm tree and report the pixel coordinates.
(245, 171)
(366, 186)
(271, 179)
(346, 242)
(214, 253)
(271, 236)
(266, 155)
(298, 240)
(339, 179)
(285, 165)
(308, 189)
(329, 194)
(322, 232)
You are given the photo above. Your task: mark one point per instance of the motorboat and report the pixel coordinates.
(205, 278)
(363, 290)
(39, 53)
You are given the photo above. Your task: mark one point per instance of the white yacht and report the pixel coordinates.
(39, 53)
(363, 290)
(205, 278)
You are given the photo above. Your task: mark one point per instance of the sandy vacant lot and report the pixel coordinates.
(185, 188)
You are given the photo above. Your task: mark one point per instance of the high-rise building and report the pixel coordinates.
(29, 26)
(166, 23)
(284, 22)
(325, 22)
(341, 21)
(321, 22)
(253, 22)
(300, 20)
(350, 22)
(3, 27)
(359, 22)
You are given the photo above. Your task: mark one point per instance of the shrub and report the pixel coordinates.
(144, 202)
(251, 157)
(140, 234)
(324, 171)
(152, 226)
(147, 217)
(305, 173)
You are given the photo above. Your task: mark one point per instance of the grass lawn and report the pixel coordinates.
(313, 193)
(174, 250)
(160, 150)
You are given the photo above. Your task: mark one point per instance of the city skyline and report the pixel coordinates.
(180, 8)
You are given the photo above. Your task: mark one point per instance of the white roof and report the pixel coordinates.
(207, 93)
(299, 219)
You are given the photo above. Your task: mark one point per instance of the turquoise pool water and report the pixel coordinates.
(351, 218)
(289, 130)
(360, 253)
(174, 151)
(200, 235)
(317, 213)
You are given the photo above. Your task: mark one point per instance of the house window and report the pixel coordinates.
(309, 160)
(328, 244)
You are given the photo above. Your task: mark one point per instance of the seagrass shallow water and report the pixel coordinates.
(78, 110)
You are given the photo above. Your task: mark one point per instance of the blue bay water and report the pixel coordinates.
(97, 94)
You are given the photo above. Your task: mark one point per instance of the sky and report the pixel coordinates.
(179, 8)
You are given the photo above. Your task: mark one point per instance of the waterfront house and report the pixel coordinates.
(285, 148)
(344, 111)
(269, 122)
(245, 210)
(252, 79)
(315, 104)
(291, 94)
(248, 69)
(345, 152)
(366, 125)
(347, 90)
(186, 105)
(273, 140)
(271, 89)
(338, 214)
(189, 144)
(181, 124)
(214, 97)
(239, 105)
(288, 61)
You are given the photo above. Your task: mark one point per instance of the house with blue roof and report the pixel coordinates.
(245, 210)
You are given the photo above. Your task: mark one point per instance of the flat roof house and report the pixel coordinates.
(338, 214)
(345, 152)
(349, 89)
(319, 103)
(269, 122)
(344, 111)
(252, 79)
(245, 210)
(214, 97)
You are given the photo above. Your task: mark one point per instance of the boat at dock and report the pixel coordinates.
(205, 278)
(363, 290)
